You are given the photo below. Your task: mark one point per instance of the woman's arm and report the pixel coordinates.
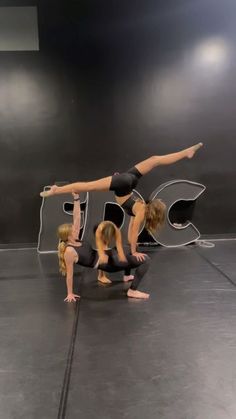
(76, 216)
(69, 260)
(119, 246)
(134, 232)
(131, 221)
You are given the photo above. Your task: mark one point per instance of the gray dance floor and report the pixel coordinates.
(109, 357)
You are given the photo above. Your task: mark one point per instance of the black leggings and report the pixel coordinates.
(114, 265)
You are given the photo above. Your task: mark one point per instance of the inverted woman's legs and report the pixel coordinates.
(105, 183)
(96, 185)
(147, 165)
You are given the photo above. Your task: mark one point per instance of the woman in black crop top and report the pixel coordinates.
(152, 213)
(70, 251)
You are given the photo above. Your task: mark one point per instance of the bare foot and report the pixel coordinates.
(192, 150)
(127, 278)
(49, 192)
(104, 280)
(137, 294)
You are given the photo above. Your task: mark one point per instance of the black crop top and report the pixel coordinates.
(87, 256)
(128, 206)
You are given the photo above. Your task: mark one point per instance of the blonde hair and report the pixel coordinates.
(105, 233)
(63, 232)
(155, 215)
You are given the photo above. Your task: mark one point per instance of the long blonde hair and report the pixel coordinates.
(63, 232)
(155, 215)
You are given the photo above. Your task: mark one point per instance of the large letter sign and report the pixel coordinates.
(54, 212)
(171, 234)
(99, 206)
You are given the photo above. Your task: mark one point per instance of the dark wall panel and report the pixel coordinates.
(113, 83)
(18, 29)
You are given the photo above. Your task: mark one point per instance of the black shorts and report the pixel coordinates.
(123, 184)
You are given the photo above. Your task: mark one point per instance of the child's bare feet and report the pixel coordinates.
(192, 150)
(137, 294)
(127, 278)
(49, 192)
(104, 280)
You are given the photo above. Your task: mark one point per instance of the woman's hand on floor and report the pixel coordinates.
(72, 298)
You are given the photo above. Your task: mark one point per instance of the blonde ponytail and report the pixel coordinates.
(63, 232)
(61, 258)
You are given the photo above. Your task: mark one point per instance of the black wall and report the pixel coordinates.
(115, 82)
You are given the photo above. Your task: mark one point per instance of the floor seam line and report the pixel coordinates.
(69, 362)
(216, 267)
